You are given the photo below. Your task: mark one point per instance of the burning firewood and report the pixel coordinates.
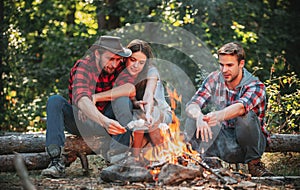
(172, 174)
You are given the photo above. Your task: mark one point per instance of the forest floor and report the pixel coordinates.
(280, 164)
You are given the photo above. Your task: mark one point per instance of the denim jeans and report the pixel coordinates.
(61, 116)
(240, 144)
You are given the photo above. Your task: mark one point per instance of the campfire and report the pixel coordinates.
(172, 162)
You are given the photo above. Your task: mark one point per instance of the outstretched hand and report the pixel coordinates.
(140, 104)
(113, 127)
(203, 129)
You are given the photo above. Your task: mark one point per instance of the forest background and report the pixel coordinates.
(41, 40)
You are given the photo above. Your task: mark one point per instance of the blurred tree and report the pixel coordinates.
(2, 53)
(40, 41)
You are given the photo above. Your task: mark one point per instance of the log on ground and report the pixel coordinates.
(75, 147)
(36, 143)
(284, 143)
(32, 161)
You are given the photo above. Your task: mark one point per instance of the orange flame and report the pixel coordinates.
(174, 145)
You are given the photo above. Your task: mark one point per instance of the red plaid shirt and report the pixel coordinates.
(252, 95)
(124, 77)
(86, 80)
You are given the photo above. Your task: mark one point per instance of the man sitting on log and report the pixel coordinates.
(234, 128)
(93, 74)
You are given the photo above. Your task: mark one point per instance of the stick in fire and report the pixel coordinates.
(204, 165)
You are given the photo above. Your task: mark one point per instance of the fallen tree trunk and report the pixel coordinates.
(29, 143)
(32, 149)
(32, 161)
(26, 143)
(284, 143)
(36, 143)
(36, 158)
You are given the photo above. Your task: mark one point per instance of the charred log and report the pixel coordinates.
(126, 172)
(172, 174)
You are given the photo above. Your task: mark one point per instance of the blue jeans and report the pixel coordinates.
(240, 144)
(61, 116)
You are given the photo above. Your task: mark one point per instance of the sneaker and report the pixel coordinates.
(56, 169)
(258, 169)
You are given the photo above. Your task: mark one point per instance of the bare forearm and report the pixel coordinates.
(148, 97)
(232, 111)
(149, 94)
(193, 110)
(90, 110)
(123, 90)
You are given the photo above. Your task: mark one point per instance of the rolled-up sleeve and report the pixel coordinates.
(253, 95)
(203, 94)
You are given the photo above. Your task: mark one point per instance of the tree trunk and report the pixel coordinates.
(36, 143)
(284, 143)
(32, 149)
(22, 144)
(29, 143)
(33, 161)
(106, 15)
(3, 45)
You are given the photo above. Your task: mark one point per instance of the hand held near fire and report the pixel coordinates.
(113, 127)
(141, 104)
(203, 129)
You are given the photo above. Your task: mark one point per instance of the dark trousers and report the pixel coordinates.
(61, 116)
(239, 144)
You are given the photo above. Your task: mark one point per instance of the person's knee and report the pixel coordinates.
(55, 102)
(122, 99)
(248, 130)
(247, 126)
(121, 102)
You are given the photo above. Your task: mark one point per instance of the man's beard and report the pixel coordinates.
(109, 70)
(232, 79)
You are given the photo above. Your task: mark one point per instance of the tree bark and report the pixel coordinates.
(284, 143)
(36, 143)
(22, 144)
(29, 143)
(32, 149)
(32, 161)
(106, 15)
(3, 45)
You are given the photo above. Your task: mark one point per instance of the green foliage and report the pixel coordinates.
(43, 39)
(283, 109)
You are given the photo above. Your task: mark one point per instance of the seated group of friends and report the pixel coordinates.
(116, 92)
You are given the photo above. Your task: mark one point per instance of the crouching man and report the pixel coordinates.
(94, 75)
(234, 130)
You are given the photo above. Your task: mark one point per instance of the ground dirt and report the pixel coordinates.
(280, 164)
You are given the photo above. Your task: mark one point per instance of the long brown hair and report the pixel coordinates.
(144, 47)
